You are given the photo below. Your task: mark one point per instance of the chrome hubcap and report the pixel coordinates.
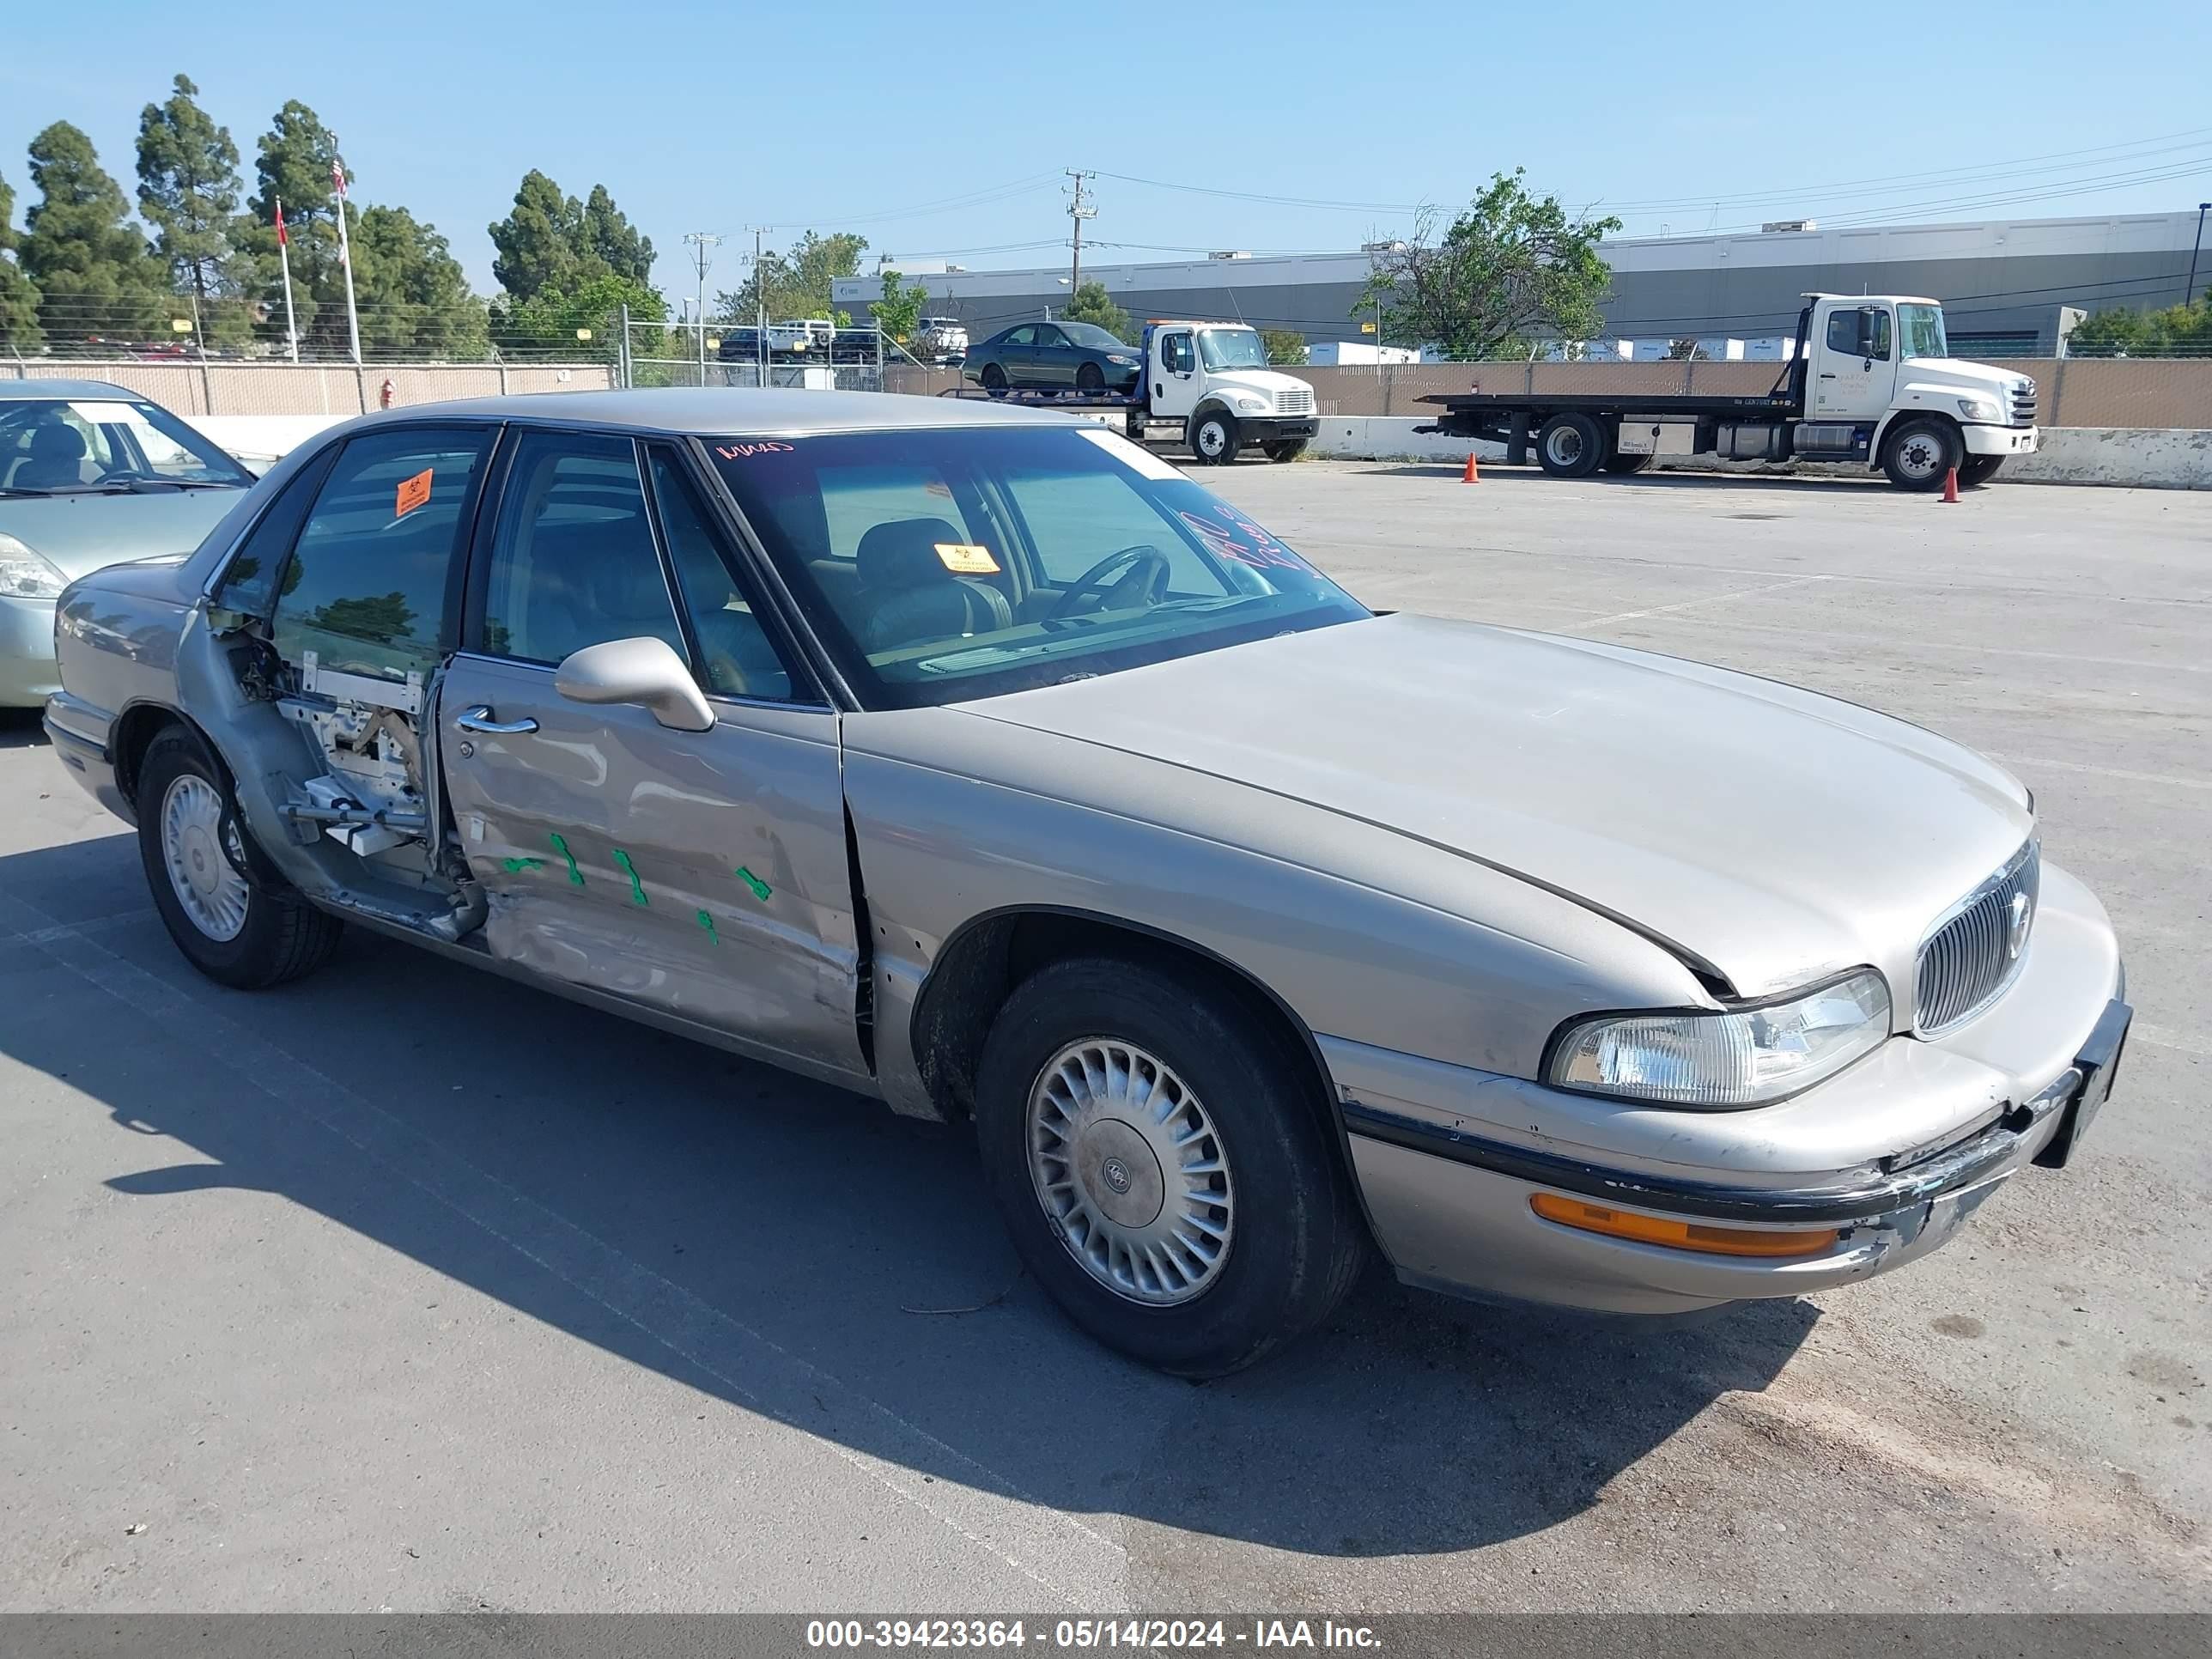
(1131, 1170)
(1566, 447)
(1918, 457)
(1212, 439)
(207, 884)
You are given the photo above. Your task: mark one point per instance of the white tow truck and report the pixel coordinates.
(1870, 383)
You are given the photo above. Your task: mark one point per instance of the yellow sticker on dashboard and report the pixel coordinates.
(967, 559)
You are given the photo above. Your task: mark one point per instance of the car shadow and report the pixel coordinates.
(22, 728)
(796, 1252)
(1499, 472)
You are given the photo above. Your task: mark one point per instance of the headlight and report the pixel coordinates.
(1716, 1060)
(1980, 409)
(1121, 362)
(1252, 406)
(25, 575)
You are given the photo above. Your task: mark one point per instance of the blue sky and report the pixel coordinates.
(942, 129)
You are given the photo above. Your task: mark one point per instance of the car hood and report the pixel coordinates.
(1767, 835)
(79, 534)
(1959, 372)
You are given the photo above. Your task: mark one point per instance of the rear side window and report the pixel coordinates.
(367, 587)
(249, 582)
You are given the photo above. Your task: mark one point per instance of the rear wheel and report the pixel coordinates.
(995, 380)
(1979, 469)
(1161, 1163)
(240, 931)
(1285, 449)
(1918, 453)
(1627, 463)
(1571, 446)
(1214, 437)
(1089, 380)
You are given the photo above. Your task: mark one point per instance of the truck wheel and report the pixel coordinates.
(1979, 469)
(1571, 446)
(1214, 437)
(1285, 449)
(238, 930)
(995, 380)
(1089, 380)
(1918, 452)
(1627, 463)
(1160, 1162)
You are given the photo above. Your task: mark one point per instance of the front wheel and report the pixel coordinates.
(995, 380)
(1161, 1160)
(1214, 437)
(1285, 449)
(1918, 453)
(1571, 446)
(1979, 469)
(240, 931)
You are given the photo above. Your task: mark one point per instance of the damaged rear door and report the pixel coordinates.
(699, 874)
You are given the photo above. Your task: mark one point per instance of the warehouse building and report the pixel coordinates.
(2010, 286)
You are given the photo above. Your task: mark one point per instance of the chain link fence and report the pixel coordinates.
(266, 388)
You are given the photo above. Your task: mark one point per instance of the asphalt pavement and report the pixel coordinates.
(408, 1288)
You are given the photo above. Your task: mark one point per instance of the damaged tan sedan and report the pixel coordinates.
(973, 758)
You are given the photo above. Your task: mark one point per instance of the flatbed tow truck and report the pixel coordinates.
(1870, 383)
(1206, 385)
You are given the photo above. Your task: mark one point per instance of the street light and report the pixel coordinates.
(2189, 296)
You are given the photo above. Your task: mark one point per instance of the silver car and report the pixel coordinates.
(90, 474)
(975, 759)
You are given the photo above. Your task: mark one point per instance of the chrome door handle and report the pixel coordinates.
(479, 719)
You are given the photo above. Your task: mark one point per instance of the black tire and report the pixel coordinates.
(282, 937)
(1623, 464)
(1979, 469)
(1213, 438)
(995, 380)
(1089, 380)
(1285, 449)
(1918, 453)
(1572, 446)
(1297, 1242)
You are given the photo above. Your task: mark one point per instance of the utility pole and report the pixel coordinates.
(760, 308)
(2190, 297)
(1078, 210)
(702, 244)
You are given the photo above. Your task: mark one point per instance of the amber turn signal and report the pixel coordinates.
(1589, 1217)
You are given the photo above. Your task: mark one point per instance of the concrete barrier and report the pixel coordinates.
(2145, 458)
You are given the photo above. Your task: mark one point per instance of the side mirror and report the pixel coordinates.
(644, 672)
(1866, 332)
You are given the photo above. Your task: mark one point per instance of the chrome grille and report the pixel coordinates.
(1973, 953)
(1299, 401)
(2023, 403)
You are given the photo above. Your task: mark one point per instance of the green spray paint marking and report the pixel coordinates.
(561, 848)
(636, 887)
(707, 921)
(516, 866)
(760, 888)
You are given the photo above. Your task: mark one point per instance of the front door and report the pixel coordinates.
(1055, 358)
(1854, 364)
(699, 874)
(1173, 372)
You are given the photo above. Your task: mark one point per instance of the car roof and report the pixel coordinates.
(59, 391)
(717, 412)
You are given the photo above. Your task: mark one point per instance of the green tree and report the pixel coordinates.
(19, 333)
(1285, 347)
(2122, 332)
(546, 324)
(609, 237)
(96, 274)
(293, 164)
(414, 298)
(796, 284)
(1511, 266)
(188, 191)
(1090, 303)
(899, 313)
(550, 242)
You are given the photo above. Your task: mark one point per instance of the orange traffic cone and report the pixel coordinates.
(1470, 475)
(1951, 485)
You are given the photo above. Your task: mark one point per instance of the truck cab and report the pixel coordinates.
(1212, 382)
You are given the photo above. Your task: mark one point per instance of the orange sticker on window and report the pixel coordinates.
(967, 559)
(413, 493)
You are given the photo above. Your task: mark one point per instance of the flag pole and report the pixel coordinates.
(284, 256)
(345, 256)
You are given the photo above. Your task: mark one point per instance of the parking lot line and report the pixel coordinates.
(1710, 598)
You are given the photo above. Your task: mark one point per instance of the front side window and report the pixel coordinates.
(737, 659)
(1923, 328)
(1176, 354)
(573, 562)
(80, 445)
(1231, 348)
(1025, 335)
(992, 559)
(365, 587)
(1844, 335)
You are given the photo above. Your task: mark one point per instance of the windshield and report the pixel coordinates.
(1923, 327)
(57, 446)
(942, 565)
(1093, 337)
(1231, 348)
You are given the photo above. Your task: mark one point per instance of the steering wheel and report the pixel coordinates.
(1147, 578)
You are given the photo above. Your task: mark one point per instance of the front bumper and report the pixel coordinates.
(1275, 429)
(2001, 440)
(27, 674)
(1893, 1155)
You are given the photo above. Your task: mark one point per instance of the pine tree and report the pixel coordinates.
(19, 333)
(188, 191)
(98, 280)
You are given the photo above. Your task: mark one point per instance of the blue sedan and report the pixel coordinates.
(1054, 357)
